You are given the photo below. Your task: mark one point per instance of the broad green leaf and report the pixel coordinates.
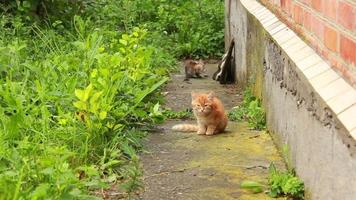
(62, 122)
(87, 91)
(122, 41)
(102, 115)
(79, 94)
(95, 97)
(125, 37)
(255, 187)
(94, 73)
(123, 50)
(80, 105)
(104, 72)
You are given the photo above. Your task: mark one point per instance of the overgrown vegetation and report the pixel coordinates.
(284, 183)
(249, 110)
(79, 88)
(185, 28)
(280, 183)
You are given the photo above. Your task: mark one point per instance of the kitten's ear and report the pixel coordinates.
(211, 96)
(194, 95)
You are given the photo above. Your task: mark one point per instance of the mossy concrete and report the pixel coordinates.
(190, 166)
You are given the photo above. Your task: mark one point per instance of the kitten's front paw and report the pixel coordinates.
(209, 134)
(200, 132)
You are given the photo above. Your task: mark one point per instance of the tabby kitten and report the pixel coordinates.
(210, 115)
(194, 69)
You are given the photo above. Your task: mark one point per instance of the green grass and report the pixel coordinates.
(80, 87)
(72, 114)
(187, 114)
(284, 183)
(280, 184)
(249, 110)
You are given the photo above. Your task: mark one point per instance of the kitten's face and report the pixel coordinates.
(202, 103)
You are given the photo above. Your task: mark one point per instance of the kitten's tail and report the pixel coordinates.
(185, 127)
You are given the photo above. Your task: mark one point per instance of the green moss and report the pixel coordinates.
(232, 155)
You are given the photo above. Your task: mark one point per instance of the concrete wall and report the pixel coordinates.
(299, 91)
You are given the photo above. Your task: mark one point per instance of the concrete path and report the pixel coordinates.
(187, 166)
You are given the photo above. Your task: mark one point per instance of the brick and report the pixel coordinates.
(277, 3)
(317, 5)
(330, 7)
(349, 75)
(325, 53)
(339, 67)
(348, 49)
(330, 38)
(307, 20)
(307, 2)
(286, 5)
(333, 60)
(298, 14)
(346, 15)
(317, 26)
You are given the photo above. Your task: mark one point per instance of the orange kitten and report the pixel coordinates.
(210, 115)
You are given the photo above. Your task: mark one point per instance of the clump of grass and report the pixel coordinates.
(284, 183)
(185, 114)
(249, 110)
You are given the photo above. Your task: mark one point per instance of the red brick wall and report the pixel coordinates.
(329, 26)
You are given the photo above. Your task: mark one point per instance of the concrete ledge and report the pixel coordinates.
(312, 66)
(309, 106)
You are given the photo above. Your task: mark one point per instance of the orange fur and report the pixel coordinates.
(185, 127)
(210, 114)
